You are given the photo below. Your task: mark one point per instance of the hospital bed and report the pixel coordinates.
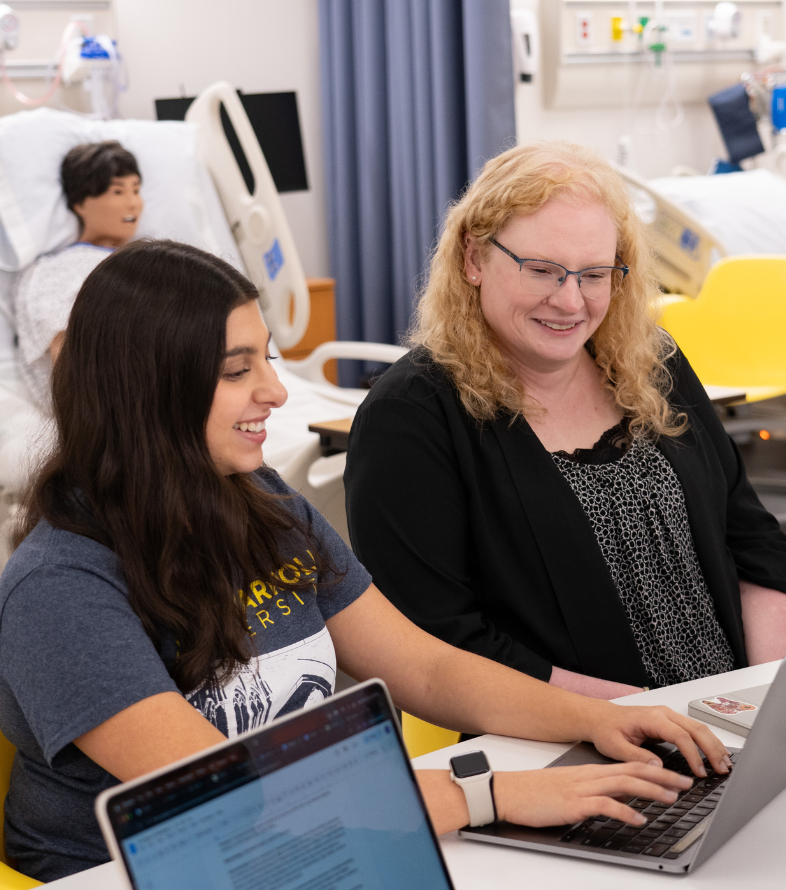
(194, 192)
(684, 249)
(695, 221)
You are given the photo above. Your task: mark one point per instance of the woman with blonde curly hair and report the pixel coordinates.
(542, 480)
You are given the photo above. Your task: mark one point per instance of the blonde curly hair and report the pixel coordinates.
(629, 348)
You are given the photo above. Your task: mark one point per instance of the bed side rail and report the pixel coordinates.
(257, 219)
(685, 249)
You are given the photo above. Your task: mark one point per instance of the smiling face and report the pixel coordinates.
(111, 219)
(246, 393)
(543, 334)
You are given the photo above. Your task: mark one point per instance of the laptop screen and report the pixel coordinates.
(323, 801)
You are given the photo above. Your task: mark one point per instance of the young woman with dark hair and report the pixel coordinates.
(169, 590)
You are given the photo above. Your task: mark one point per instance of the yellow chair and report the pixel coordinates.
(421, 737)
(9, 879)
(734, 332)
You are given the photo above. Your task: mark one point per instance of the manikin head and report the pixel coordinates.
(101, 181)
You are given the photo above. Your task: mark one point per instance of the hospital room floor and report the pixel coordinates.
(764, 453)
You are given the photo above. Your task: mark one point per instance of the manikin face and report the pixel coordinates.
(111, 219)
(542, 334)
(248, 390)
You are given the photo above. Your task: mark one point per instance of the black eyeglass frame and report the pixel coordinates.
(521, 260)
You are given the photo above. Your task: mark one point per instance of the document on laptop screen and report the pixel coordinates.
(343, 818)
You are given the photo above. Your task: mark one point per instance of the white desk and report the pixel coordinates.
(754, 858)
(724, 395)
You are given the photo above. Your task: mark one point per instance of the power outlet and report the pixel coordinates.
(682, 27)
(584, 29)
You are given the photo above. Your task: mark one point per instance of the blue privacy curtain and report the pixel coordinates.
(416, 95)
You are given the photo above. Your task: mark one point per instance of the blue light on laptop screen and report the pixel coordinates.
(343, 818)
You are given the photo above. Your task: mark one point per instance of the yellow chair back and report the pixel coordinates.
(9, 878)
(14, 880)
(734, 333)
(7, 751)
(423, 738)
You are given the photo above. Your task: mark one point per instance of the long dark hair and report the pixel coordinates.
(131, 391)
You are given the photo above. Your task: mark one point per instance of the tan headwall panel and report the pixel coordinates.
(583, 67)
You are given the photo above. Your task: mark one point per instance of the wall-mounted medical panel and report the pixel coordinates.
(596, 54)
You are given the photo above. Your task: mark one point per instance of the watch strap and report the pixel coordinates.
(479, 794)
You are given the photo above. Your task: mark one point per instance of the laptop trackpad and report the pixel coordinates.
(584, 753)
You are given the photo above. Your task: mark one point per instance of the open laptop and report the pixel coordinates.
(324, 799)
(677, 838)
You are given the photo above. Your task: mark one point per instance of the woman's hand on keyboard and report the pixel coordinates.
(568, 794)
(619, 730)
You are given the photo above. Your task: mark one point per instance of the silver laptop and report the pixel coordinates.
(324, 799)
(677, 838)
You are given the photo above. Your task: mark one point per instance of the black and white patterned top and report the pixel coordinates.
(636, 506)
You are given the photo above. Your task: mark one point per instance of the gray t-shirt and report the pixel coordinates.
(73, 654)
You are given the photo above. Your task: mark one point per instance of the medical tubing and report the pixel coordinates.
(35, 103)
(638, 95)
(670, 96)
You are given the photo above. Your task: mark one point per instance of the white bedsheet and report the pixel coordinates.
(745, 211)
(287, 427)
(25, 434)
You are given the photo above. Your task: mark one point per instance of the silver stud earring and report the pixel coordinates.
(474, 277)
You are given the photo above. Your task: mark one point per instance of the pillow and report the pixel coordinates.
(34, 218)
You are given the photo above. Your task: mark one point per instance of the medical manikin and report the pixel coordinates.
(101, 182)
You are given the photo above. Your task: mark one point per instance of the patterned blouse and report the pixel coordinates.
(636, 506)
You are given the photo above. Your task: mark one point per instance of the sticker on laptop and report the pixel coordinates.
(724, 705)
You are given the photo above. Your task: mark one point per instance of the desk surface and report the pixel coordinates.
(335, 433)
(754, 858)
(725, 395)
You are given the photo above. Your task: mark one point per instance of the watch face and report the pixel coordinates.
(472, 764)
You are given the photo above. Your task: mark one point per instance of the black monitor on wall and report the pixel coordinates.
(276, 124)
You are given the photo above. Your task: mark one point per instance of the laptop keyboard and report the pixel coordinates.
(666, 826)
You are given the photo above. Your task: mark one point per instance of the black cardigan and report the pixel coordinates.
(472, 531)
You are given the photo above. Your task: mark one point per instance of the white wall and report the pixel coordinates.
(257, 45)
(694, 143)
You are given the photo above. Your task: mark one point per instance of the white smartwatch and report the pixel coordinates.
(472, 773)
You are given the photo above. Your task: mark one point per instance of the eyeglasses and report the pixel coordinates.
(541, 278)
